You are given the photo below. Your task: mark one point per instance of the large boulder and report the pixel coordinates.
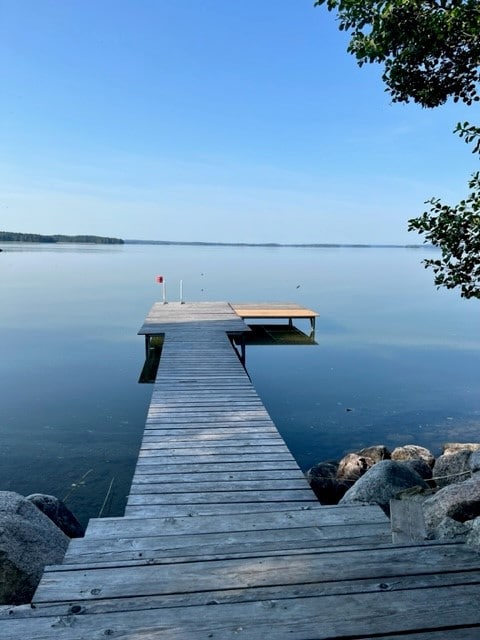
(422, 468)
(352, 466)
(451, 468)
(474, 462)
(453, 447)
(376, 452)
(28, 541)
(381, 483)
(450, 529)
(58, 513)
(473, 538)
(413, 452)
(459, 501)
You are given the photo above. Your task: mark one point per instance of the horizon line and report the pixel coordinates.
(277, 244)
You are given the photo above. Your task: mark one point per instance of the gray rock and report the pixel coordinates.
(28, 541)
(474, 462)
(381, 483)
(58, 513)
(473, 538)
(451, 468)
(449, 529)
(413, 452)
(418, 465)
(453, 447)
(459, 501)
(376, 452)
(352, 466)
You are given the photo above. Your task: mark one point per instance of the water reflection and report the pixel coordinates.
(396, 360)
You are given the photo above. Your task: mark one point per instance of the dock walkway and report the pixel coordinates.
(222, 537)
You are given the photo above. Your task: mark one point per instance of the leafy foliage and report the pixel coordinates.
(469, 133)
(456, 231)
(430, 48)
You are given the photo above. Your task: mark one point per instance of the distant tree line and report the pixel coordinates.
(9, 236)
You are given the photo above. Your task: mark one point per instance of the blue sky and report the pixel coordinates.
(209, 120)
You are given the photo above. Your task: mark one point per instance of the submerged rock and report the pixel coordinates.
(452, 447)
(28, 541)
(413, 452)
(376, 452)
(58, 513)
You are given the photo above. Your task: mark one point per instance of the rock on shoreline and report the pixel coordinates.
(449, 485)
(30, 540)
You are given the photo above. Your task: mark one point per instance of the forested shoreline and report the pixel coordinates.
(9, 236)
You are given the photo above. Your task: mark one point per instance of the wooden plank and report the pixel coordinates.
(187, 397)
(160, 403)
(246, 411)
(248, 573)
(288, 463)
(137, 603)
(298, 619)
(215, 423)
(197, 486)
(223, 436)
(210, 450)
(276, 518)
(195, 431)
(226, 420)
(408, 524)
(204, 509)
(215, 444)
(206, 433)
(219, 476)
(229, 497)
(260, 542)
(208, 458)
(271, 310)
(242, 551)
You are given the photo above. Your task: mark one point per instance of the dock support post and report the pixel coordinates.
(242, 350)
(147, 345)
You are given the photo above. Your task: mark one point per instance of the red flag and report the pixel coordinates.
(159, 279)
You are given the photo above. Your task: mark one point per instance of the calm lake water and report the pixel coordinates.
(396, 362)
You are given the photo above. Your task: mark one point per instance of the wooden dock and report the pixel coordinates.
(275, 310)
(222, 537)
